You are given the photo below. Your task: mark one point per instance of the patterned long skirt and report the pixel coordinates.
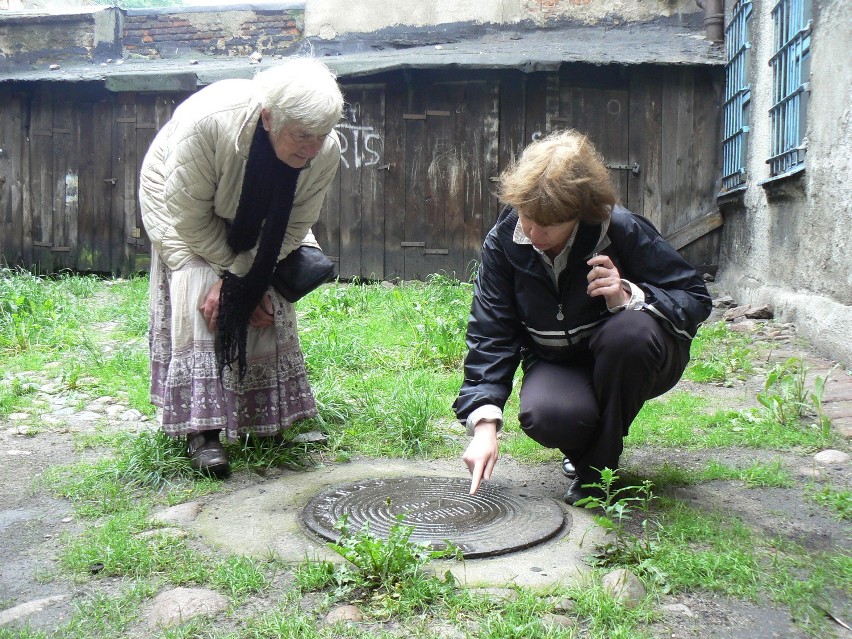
(185, 381)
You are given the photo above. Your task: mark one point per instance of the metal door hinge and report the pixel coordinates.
(634, 168)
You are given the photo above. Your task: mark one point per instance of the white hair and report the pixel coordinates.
(300, 90)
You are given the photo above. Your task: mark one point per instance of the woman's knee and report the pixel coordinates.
(559, 424)
(630, 334)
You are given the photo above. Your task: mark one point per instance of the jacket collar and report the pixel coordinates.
(588, 240)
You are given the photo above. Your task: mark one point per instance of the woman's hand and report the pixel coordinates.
(262, 317)
(481, 453)
(210, 306)
(605, 280)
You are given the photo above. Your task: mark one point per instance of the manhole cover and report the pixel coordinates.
(494, 521)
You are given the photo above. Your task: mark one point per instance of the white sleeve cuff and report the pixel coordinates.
(637, 298)
(489, 411)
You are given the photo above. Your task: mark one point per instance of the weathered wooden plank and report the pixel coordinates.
(535, 118)
(351, 202)
(686, 200)
(695, 229)
(64, 187)
(644, 141)
(41, 178)
(104, 185)
(708, 91)
(11, 183)
(394, 192)
(442, 207)
(371, 149)
(84, 140)
(146, 130)
(614, 138)
(511, 114)
(463, 184)
(123, 239)
(481, 207)
(415, 177)
(708, 160)
(363, 171)
(668, 158)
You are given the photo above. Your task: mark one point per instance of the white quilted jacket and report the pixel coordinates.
(192, 177)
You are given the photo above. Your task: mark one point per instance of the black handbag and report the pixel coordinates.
(302, 271)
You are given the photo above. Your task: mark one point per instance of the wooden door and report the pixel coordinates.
(602, 114)
(351, 228)
(450, 152)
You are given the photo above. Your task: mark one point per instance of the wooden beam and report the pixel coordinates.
(695, 229)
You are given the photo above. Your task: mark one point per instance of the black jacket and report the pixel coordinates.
(517, 311)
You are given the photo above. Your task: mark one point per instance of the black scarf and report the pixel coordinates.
(269, 186)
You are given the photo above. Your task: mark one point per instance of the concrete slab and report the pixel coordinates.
(266, 518)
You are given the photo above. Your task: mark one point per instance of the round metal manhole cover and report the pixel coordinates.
(494, 521)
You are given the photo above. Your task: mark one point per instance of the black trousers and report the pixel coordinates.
(584, 407)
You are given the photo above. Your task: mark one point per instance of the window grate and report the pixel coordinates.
(737, 96)
(790, 70)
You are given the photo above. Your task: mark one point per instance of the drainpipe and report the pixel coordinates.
(714, 19)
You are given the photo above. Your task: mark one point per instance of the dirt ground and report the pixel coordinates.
(32, 521)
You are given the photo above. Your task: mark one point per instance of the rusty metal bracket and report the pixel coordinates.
(633, 168)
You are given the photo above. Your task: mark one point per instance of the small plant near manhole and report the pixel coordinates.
(619, 505)
(389, 572)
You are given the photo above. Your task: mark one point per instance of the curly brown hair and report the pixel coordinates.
(557, 179)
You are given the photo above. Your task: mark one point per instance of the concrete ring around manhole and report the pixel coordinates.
(494, 521)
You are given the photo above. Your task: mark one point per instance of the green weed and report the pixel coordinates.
(786, 398)
(619, 505)
(838, 501)
(381, 563)
(239, 576)
(391, 572)
(719, 354)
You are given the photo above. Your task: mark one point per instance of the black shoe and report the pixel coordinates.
(207, 455)
(577, 492)
(568, 468)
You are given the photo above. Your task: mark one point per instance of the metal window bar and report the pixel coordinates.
(790, 67)
(737, 96)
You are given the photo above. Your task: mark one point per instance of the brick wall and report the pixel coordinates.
(99, 34)
(158, 33)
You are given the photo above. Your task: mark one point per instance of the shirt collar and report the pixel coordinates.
(519, 237)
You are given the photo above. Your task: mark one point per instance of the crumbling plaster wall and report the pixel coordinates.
(330, 18)
(79, 35)
(98, 34)
(790, 244)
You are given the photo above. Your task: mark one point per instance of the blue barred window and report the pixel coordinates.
(737, 96)
(790, 71)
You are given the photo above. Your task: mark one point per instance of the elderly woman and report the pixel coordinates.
(230, 186)
(597, 307)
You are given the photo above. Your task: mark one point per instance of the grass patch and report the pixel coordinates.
(385, 365)
(680, 419)
(838, 501)
(719, 354)
(756, 475)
